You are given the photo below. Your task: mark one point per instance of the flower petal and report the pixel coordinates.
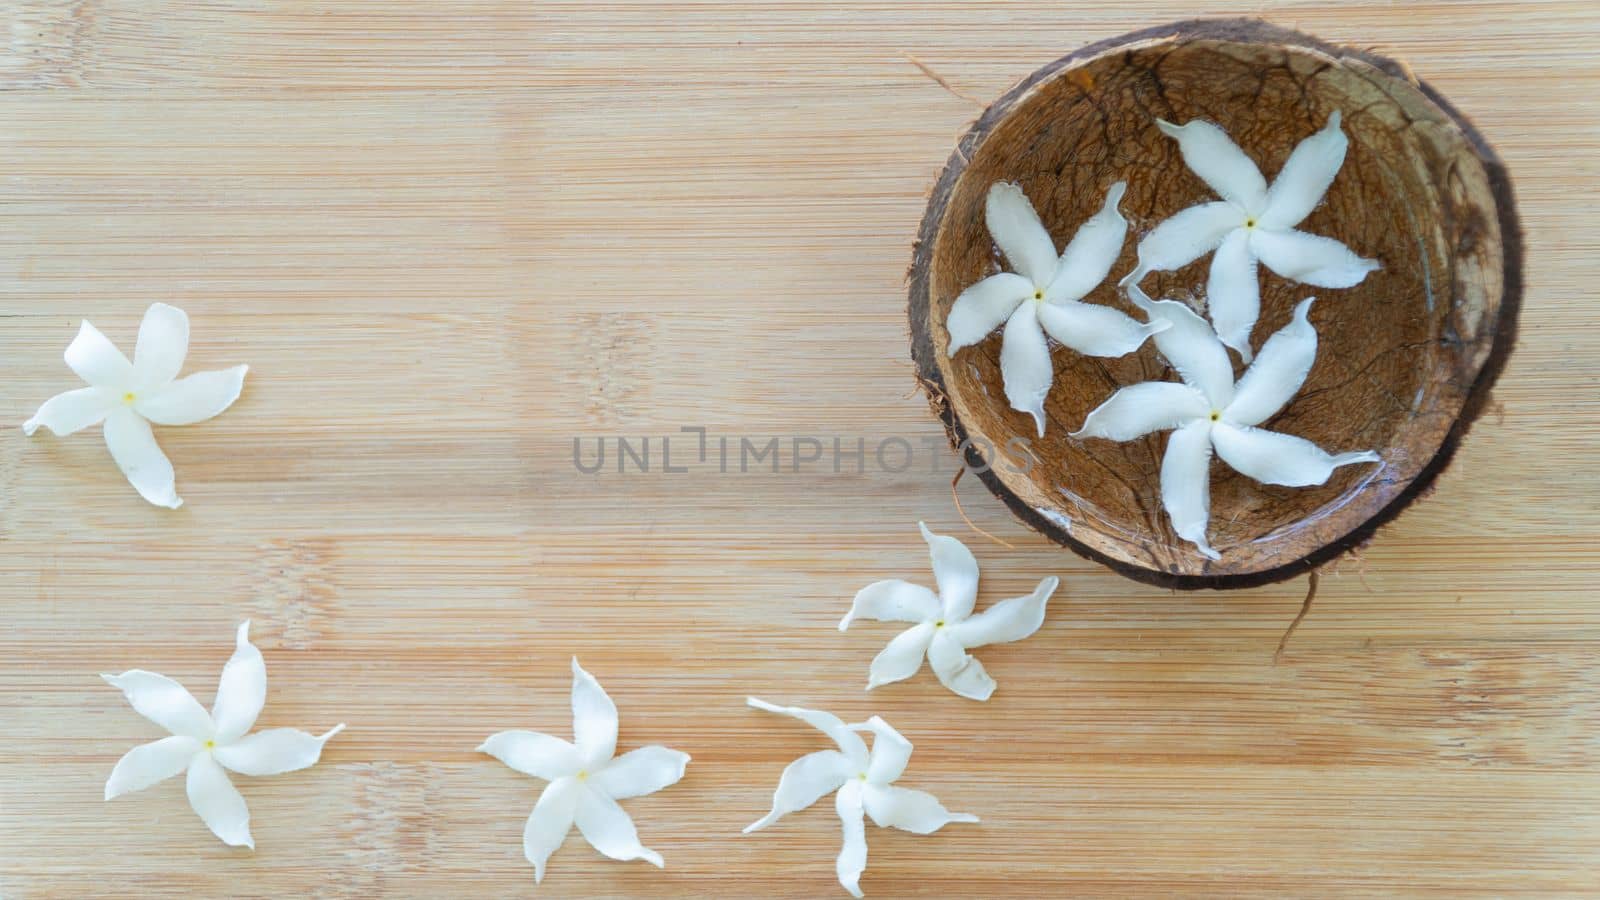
(902, 657)
(1016, 229)
(194, 398)
(1310, 258)
(639, 772)
(608, 829)
(1025, 363)
(918, 812)
(1210, 153)
(242, 690)
(1273, 458)
(981, 308)
(1233, 292)
(550, 821)
(1191, 347)
(1187, 236)
(850, 743)
(218, 803)
(1277, 373)
(890, 751)
(1186, 484)
(1305, 177)
(955, 570)
(531, 753)
(72, 411)
(892, 601)
(97, 360)
(151, 763)
(957, 669)
(1088, 258)
(164, 702)
(1008, 620)
(274, 751)
(594, 720)
(134, 447)
(1139, 409)
(852, 859)
(804, 782)
(163, 343)
(1093, 330)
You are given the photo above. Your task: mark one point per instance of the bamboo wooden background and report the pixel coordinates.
(449, 237)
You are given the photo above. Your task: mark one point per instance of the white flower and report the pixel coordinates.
(204, 744)
(1209, 411)
(864, 782)
(946, 628)
(585, 782)
(1251, 223)
(1044, 292)
(129, 396)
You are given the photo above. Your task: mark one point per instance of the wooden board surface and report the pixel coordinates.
(450, 238)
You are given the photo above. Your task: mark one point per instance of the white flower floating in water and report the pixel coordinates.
(1044, 292)
(1251, 223)
(864, 782)
(129, 396)
(1209, 411)
(585, 782)
(204, 744)
(945, 627)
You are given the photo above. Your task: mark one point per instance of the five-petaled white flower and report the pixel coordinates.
(945, 627)
(1044, 292)
(1209, 411)
(1252, 223)
(204, 744)
(585, 782)
(129, 396)
(864, 782)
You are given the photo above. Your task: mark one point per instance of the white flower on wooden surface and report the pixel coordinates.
(864, 782)
(128, 397)
(945, 628)
(206, 744)
(585, 782)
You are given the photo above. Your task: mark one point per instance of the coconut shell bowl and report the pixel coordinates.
(1405, 359)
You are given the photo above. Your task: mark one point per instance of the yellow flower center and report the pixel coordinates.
(211, 745)
(1038, 294)
(128, 398)
(583, 775)
(1249, 223)
(1216, 416)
